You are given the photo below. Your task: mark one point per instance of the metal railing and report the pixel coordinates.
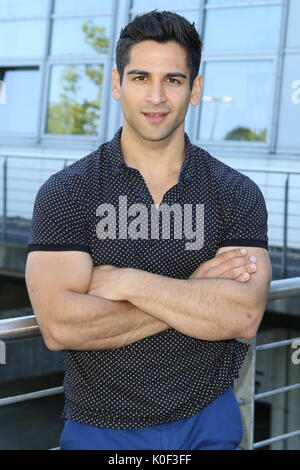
(60, 162)
(287, 173)
(245, 385)
(40, 167)
(24, 327)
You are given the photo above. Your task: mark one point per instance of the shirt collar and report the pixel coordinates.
(119, 166)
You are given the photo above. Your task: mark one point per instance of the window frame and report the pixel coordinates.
(121, 14)
(284, 52)
(24, 136)
(73, 140)
(47, 138)
(264, 146)
(45, 62)
(272, 55)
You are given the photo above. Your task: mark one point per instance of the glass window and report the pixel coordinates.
(293, 32)
(174, 6)
(22, 38)
(164, 4)
(19, 114)
(23, 7)
(236, 100)
(191, 16)
(289, 135)
(81, 36)
(87, 6)
(227, 2)
(242, 28)
(75, 99)
(220, 2)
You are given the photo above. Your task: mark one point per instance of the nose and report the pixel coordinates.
(156, 93)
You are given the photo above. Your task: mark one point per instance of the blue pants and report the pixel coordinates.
(217, 426)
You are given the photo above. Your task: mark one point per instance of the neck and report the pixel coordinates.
(153, 157)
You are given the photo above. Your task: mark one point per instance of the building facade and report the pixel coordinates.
(56, 106)
(56, 58)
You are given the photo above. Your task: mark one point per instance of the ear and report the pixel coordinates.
(116, 84)
(196, 90)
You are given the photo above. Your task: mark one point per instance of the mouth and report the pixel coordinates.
(155, 117)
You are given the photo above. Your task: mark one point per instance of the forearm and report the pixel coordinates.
(210, 309)
(89, 322)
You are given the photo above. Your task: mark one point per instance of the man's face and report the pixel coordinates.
(146, 88)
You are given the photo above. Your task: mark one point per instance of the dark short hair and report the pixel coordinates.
(162, 27)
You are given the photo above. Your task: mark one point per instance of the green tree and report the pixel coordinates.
(68, 115)
(244, 133)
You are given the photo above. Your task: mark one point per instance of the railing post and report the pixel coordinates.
(285, 221)
(4, 213)
(245, 391)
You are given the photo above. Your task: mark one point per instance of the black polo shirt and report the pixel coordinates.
(169, 375)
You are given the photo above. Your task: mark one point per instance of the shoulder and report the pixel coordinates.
(227, 182)
(73, 181)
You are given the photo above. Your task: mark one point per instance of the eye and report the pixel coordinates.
(174, 80)
(140, 76)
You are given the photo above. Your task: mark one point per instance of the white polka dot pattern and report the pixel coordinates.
(166, 376)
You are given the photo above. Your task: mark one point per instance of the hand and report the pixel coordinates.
(231, 264)
(106, 282)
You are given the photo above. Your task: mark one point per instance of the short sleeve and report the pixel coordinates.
(245, 216)
(58, 219)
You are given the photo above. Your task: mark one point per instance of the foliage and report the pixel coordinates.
(70, 115)
(244, 133)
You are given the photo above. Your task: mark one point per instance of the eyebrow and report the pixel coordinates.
(144, 72)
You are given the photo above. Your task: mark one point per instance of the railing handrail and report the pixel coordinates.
(31, 396)
(27, 326)
(19, 328)
(267, 169)
(37, 157)
(259, 169)
(284, 288)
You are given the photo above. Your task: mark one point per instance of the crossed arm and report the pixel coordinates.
(206, 308)
(80, 307)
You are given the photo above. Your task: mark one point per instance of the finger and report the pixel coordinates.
(237, 272)
(103, 267)
(234, 253)
(231, 263)
(229, 254)
(245, 277)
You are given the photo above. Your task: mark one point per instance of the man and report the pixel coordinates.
(148, 310)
